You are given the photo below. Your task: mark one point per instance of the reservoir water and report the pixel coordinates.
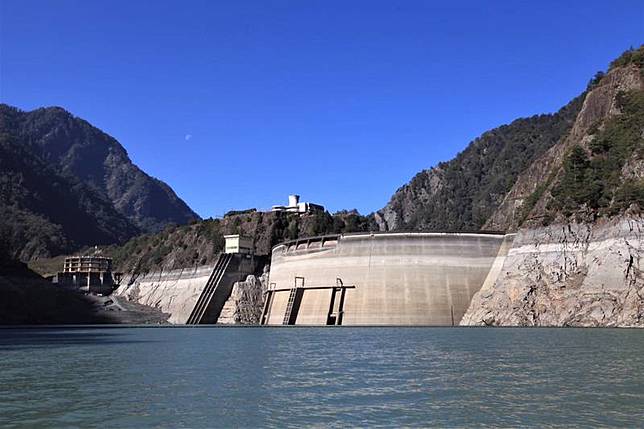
(293, 377)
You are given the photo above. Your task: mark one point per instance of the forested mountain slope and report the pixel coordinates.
(486, 185)
(65, 184)
(462, 193)
(598, 169)
(201, 242)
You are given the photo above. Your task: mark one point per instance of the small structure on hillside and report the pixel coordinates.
(90, 273)
(236, 243)
(295, 206)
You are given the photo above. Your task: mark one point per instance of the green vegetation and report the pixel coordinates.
(595, 80)
(174, 247)
(238, 212)
(632, 56)
(630, 192)
(65, 184)
(199, 243)
(463, 193)
(44, 212)
(594, 180)
(533, 198)
(322, 223)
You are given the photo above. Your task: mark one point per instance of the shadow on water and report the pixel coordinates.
(18, 339)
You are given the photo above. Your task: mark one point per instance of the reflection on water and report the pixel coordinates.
(20, 339)
(182, 377)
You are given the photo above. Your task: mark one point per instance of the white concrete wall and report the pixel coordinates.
(174, 292)
(400, 279)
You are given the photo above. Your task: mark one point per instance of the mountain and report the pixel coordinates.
(65, 184)
(44, 213)
(461, 194)
(521, 174)
(570, 187)
(597, 170)
(575, 259)
(516, 173)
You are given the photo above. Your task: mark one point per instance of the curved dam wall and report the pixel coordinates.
(388, 279)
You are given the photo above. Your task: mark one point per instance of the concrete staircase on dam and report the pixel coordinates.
(215, 292)
(194, 295)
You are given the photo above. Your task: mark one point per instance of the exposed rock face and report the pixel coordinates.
(405, 205)
(505, 178)
(462, 194)
(246, 302)
(568, 275)
(598, 106)
(584, 268)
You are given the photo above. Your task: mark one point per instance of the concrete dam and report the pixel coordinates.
(381, 278)
(191, 296)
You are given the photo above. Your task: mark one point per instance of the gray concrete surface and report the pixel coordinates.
(176, 292)
(399, 278)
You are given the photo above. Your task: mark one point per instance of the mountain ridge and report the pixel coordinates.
(486, 185)
(478, 185)
(78, 148)
(462, 193)
(65, 184)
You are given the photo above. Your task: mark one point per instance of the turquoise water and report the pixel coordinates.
(249, 377)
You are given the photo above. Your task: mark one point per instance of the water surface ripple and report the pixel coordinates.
(235, 377)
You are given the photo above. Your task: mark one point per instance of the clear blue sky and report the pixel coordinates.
(236, 104)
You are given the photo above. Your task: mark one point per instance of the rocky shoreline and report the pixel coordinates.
(573, 274)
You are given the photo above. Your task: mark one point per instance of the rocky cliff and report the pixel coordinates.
(572, 274)
(578, 210)
(461, 194)
(587, 157)
(532, 200)
(246, 302)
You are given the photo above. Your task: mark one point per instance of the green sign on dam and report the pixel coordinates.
(381, 279)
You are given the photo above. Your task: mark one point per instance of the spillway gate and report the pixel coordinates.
(296, 294)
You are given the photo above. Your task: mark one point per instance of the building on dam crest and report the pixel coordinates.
(236, 243)
(295, 206)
